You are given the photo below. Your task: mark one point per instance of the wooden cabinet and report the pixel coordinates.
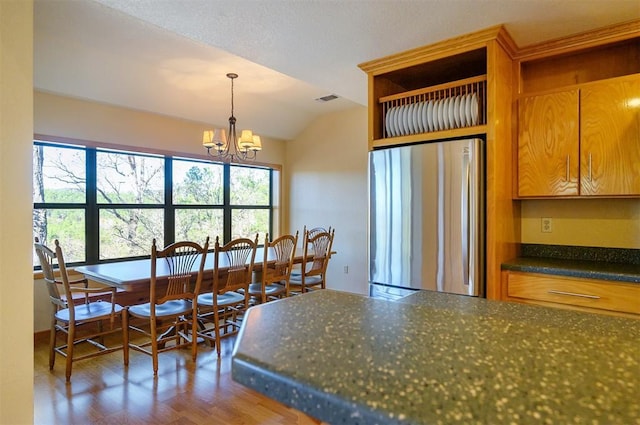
(610, 137)
(573, 293)
(479, 64)
(584, 141)
(578, 131)
(548, 144)
(473, 68)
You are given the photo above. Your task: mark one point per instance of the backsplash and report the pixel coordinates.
(608, 223)
(567, 252)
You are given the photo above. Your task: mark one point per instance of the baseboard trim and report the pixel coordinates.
(41, 336)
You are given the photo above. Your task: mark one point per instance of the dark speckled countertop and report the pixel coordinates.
(435, 358)
(576, 268)
(615, 264)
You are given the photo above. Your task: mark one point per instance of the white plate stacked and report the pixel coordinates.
(433, 115)
(404, 120)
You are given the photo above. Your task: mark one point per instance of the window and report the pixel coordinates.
(250, 198)
(198, 195)
(130, 202)
(106, 205)
(59, 196)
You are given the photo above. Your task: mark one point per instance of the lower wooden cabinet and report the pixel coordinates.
(573, 293)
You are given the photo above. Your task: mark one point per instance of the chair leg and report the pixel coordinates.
(216, 324)
(100, 329)
(212, 341)
(154, 346)
(52, 343)
(125, 336)
(71, 334)
(194, 335)
(203, 328)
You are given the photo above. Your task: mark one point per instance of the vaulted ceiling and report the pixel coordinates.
(171, 56)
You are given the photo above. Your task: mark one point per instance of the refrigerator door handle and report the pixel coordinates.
(466, 216)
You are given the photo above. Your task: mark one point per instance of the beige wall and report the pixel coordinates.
(16, 128)
(327, 167)
(583, 222)
(79, 119)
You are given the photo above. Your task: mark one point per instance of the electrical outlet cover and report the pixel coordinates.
(546, 225)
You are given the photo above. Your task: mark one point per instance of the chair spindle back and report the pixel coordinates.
(239, 256)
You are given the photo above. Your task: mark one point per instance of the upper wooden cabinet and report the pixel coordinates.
(578, 129)
(581, 142)
(441, 91)
(610, 137)
(548, 144)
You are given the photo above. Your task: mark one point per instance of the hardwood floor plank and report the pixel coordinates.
(101, 391)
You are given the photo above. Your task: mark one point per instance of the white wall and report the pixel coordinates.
(16, 292)
(327, 186)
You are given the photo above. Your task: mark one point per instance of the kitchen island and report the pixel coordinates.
(435, 358)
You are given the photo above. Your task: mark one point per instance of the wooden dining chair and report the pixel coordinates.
(171, 311)
(297, 269)
(80, 324)
(316, 230)
(315, 260)
(276, 269)
(229, 299)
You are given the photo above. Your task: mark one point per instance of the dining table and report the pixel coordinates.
(135, 275)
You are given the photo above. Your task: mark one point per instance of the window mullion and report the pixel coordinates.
(271, 203)
(92, 225)
(226, 202)
(169, 208)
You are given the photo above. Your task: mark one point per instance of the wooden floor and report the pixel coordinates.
(103, 392)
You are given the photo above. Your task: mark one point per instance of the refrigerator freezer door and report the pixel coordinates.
(425, 218)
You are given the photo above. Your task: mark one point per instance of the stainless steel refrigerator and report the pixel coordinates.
(426, 218)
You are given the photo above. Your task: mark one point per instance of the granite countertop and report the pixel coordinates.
(576, 268)
(617, 264)
(436, 358)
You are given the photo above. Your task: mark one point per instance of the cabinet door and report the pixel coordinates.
(548, 145)
(610, 142)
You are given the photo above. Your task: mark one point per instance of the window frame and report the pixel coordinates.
(92, 207)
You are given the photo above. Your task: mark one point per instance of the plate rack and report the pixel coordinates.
(449, 106)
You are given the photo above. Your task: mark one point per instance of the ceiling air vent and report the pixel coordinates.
(327, 98)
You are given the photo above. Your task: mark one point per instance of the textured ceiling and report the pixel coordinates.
(171, 56)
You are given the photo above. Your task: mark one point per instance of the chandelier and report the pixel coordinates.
(231, 148)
